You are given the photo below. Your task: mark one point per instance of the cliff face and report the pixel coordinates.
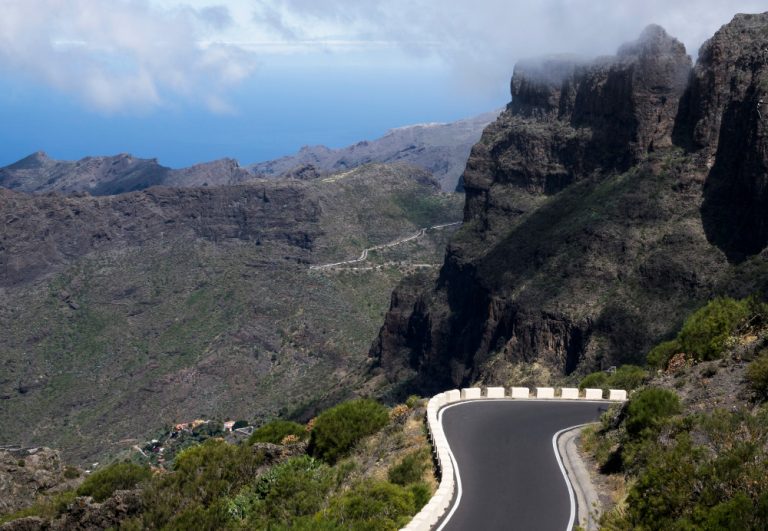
(595, 213)
(42, 233)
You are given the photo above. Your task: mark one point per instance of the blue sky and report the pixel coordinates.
(193, 80)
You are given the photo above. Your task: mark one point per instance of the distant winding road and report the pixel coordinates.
(509, 477)
(364, 256)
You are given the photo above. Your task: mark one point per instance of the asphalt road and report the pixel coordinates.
(509, 473)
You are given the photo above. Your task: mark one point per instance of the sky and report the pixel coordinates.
(188, 81)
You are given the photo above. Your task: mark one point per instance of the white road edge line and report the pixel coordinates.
(567, 480)
(459, 489)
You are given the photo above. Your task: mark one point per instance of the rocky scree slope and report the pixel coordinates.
(609, 200)
(124, 313)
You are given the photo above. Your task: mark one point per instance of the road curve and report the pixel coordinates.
(509, 475)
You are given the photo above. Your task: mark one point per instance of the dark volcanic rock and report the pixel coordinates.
(725, 119)
(585, 241)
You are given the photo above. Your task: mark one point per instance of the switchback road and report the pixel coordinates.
(364, 255)
(509, 476)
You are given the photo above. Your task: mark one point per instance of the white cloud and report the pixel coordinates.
(128, 54)
(483, 38)
(121, 55)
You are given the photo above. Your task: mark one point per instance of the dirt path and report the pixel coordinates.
(364, 255)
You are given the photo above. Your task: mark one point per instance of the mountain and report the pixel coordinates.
(124, 313)
(38, 173)
(608, 201)
(439, 148)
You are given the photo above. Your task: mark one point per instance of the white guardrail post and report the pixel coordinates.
(435, 509)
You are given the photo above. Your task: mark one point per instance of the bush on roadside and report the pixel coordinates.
(373, 505)
(627, 377)
(338, 429)
(649, 408)
(410, 469)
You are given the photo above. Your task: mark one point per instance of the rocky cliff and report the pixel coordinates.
(607, 201)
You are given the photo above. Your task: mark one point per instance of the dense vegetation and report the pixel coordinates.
(340, 428)
(276, 431)
(333, 485)
(627, 377)
(705, 334)
(688, 465)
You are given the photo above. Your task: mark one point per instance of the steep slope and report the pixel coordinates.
(121, 314)
(38, 173)
(593, 208)
(441, 149)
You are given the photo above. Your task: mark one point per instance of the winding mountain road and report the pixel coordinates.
(509, 475)
(364, 256)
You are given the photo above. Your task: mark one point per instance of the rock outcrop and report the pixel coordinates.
(595, 215)
(27, 472)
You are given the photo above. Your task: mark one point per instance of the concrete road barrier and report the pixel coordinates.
(594, 394)
(471, 393)
(545, 392)
(569, 393)
(494, 392)
(454, 395)
(520, 392)
(617, 394)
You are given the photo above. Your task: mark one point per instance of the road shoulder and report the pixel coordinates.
(588, 505)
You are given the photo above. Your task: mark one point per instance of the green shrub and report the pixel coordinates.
(660, 355)
(413, 401)
(410, 469)
(274, 432)
(596, 380)
(45, 507)
(338, 429)
(705, 333)
(421, 494)
(628, 377)
(202, 476)
(757, 375)
(118, 476)
(240, 424)
(297, 487)
(649, 408)
(373, 505)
